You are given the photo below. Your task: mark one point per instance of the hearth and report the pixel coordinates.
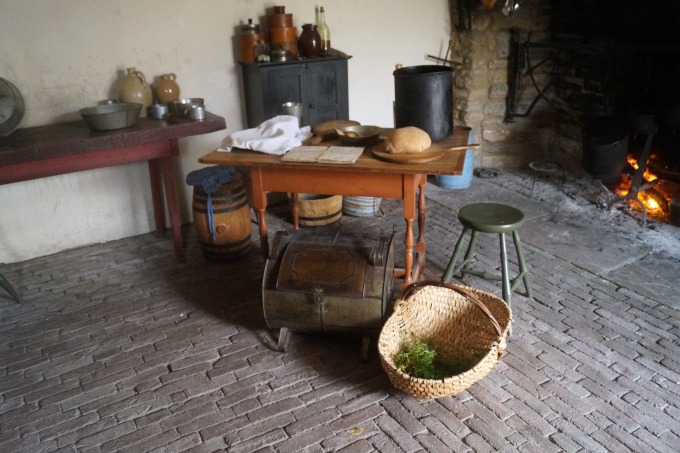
(623, 78)
(635, 181)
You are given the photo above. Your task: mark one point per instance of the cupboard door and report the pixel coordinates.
(319, 84)
(286, 84)
(324, 82)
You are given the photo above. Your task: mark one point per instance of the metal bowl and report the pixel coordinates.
(12, 107)
(281, 55)
(109, 117)
(359, 135)
(182, 106)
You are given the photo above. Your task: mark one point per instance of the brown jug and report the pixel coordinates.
(167, 89)
(134, 88)
(309, 44)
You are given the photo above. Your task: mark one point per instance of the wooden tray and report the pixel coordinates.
(406, 158)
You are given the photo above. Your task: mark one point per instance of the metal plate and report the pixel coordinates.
(12, 107)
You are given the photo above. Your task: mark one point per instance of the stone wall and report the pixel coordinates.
(481, 64)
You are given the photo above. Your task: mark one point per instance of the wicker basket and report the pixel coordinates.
(459, 321)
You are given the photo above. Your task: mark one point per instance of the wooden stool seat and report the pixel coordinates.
(490, 218)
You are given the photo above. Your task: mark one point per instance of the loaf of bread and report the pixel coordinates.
(408, 139)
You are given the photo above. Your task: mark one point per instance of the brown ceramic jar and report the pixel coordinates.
(309, 44)
(167, 89)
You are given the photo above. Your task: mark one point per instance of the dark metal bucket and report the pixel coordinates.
(423, 97)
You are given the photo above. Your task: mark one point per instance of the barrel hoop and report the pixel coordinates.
(229, 245)
(325, 217)
(226, 196)
(243, 203)
(223, 192)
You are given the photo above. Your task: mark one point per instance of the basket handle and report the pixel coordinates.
(460, 290)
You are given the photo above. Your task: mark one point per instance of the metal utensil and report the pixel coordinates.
(509, 7)
(12, 107)
(359, 135)
(109, 117)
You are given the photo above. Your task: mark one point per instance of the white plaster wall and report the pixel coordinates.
(68, 54)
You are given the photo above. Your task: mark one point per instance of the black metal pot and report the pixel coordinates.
(605, 150)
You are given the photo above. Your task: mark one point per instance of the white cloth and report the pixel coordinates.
(274, 136)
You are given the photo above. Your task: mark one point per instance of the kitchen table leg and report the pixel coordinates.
(173, 208)
(157, 196)
(260, 205)
(295, 200)
(409, 215)
(420, 245)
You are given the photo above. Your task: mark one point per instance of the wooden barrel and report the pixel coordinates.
(231, 221)
(317, 210)
(361, 206)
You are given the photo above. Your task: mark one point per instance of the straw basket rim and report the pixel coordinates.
(452, 311)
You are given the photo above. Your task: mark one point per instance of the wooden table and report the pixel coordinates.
(55, 149)
(367, 177)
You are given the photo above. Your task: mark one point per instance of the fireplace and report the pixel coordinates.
(570, 64)
(630, 65)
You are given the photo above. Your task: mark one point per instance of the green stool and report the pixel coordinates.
(490, 218)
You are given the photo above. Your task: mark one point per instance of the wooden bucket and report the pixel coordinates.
(231, 221)
(317, 210)
(361, 206)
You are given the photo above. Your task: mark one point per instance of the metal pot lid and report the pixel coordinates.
(12, 107)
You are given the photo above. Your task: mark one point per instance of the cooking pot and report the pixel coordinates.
(605, 150)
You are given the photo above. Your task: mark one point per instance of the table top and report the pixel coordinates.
(63, 139)
(451, 163)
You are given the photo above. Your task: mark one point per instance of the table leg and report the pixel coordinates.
(173, 208)
(420, 245)
(409, 215)
(260, 205)
(295, 200)
(157, 196)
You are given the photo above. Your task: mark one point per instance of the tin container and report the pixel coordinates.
(315, 282)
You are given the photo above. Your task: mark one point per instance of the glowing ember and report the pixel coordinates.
(655, 203)
(648, 175)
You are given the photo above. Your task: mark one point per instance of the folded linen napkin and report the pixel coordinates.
(274, 136)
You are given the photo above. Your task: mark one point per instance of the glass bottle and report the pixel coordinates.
(324, 31)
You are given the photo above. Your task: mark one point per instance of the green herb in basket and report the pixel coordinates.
(420, 359)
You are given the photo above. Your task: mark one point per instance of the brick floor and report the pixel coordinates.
(119, 347)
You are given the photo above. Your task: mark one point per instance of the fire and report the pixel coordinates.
(648, 175)
(654, 202)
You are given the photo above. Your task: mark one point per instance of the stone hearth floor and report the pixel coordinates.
(119, 347)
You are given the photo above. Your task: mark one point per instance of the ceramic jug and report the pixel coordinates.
(134, 88)
(167, 89)
(309, 44)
